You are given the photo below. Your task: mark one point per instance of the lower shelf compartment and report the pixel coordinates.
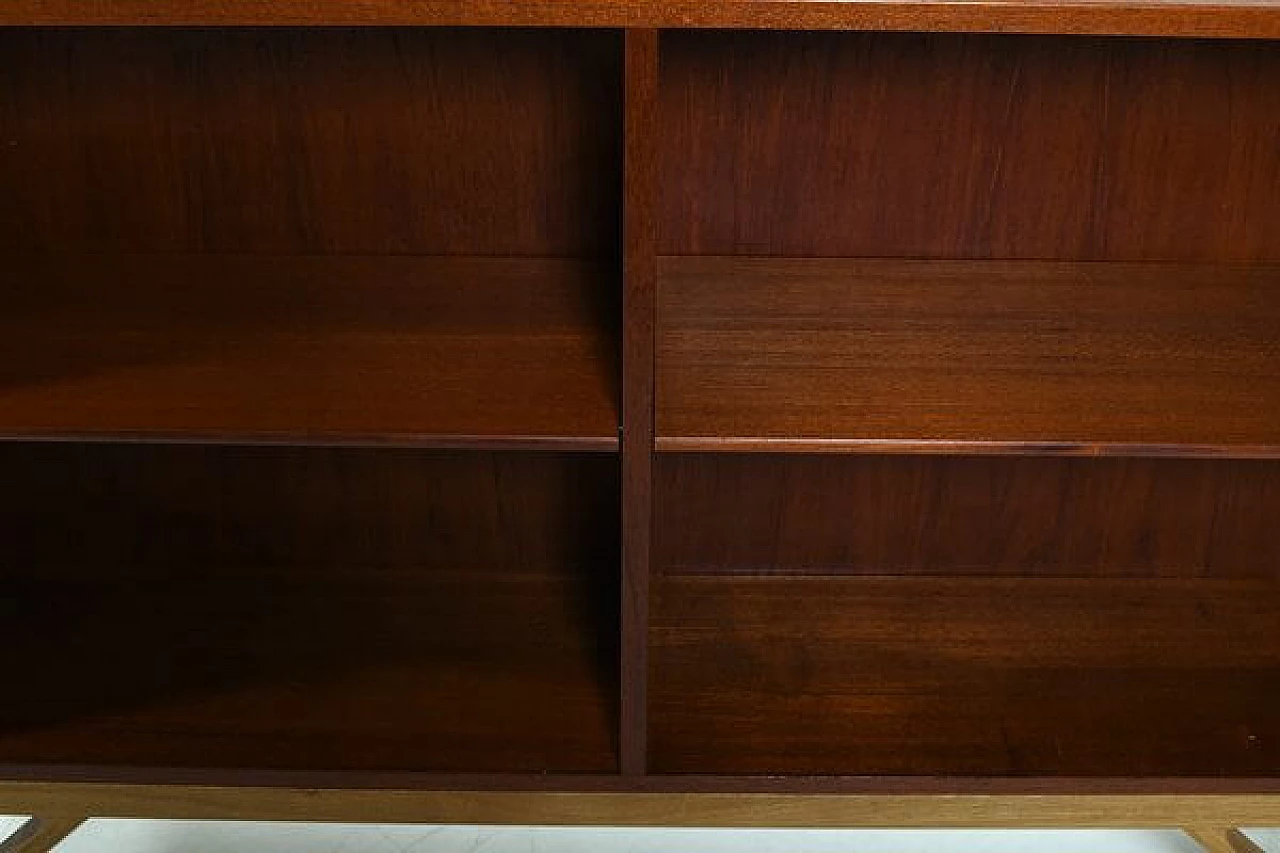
(974, 676)
(309, 609)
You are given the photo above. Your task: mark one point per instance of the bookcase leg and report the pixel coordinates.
(1222, 840)
(40, 835)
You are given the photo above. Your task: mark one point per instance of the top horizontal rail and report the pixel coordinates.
(1176, 18)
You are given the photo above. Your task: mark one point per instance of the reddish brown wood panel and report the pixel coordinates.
(289, 609)
(976, 516)
(930, 676)
(640, 302)
(1234, 18)
(416, 141)
(943, 146)
(310, 349)
(935, 356)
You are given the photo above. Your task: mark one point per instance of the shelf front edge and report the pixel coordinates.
(946, 447)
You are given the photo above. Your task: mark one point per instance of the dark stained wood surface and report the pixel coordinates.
(932, 676)
(411, 236)
(944, 146)
(759, 514)
(309, 609)
(328, 141)
(912, 356)
(1240, 18)
(407, 350)
(639, 305)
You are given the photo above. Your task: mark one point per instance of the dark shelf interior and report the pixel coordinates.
(305, 332)
(311, 392)
(968, 356)
(309, 609)
(967, 407)
(928, 615)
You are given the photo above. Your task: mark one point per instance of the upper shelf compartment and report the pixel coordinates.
(968, 356)
(320, 236)
(1078, 244)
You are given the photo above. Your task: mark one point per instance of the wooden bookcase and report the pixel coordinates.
(784, 413)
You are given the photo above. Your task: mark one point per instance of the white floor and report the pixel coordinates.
(129, 836)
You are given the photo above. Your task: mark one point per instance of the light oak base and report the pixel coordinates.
(1208, 818)
(1222, 840)
(40, 835)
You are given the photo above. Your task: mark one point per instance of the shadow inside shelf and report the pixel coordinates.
(309, 609)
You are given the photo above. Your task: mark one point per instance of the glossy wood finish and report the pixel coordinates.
(639, 304)
(846, 355)
(426, 142)
(437, 351)
(1227, 18)
(451, 238)
(802, 515)
(303, 609)
(1074, 677)
(939, 146)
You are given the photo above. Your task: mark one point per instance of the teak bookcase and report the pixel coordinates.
(726, 412)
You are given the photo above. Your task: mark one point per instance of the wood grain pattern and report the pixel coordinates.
(922, 146)
(40, 835)
(845, 355)
(436, 351)
(1222, 840)
(422, 141)
(672, 807)
(735, 514)
(1071, 677)
(1226, 18)
(639, 306)
(326, 610)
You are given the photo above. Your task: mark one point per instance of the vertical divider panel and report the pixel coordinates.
(640, 244)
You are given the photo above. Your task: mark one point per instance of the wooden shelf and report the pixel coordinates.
(822, 355)
(309, 609)
(321, 350)
(944, 676)
(1233, 18)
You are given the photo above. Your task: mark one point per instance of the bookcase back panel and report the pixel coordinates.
(752, 514)
(408, 141)
(952, 146)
